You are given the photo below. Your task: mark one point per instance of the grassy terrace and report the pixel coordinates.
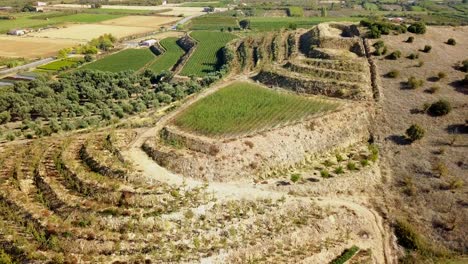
(129, 59)
(167, 60)
(243, 107)
(204, 58)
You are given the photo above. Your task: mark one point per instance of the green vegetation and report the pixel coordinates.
(370, 6)
(394, 55)
(452, 41)
(129, 59)
(61, 64)
(414, 83)
(243, 107)
(347, 255)
(169, 58)
(439, 108)
(204, 60)
(427, 48)
(393, 74)
(417, 28)
(295, 177)
(415, 132)
(275, 23)
(295, 11)
(213, 22)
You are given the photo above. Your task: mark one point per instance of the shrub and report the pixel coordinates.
(4, 117)
(393, 74)
(394, 55)
(408, 237)
(417, 28)
(451, 41)
(414, 83)
(5, 258)
(413, 56)
(441, 75)
(415, 132)
(351, 166)
(346, 255)
(295, 177)
(465, 80)
(324, 174)
(464, 66)
(339, 170)
(339, 158)
(364, 162)
(410, 39)
(427, 48)
(440, 169)
(439, 108)
(433, 89)
(374, 150)
(374, 32)
(420, 63)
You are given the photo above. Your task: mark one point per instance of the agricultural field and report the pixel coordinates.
(204, 58)
(243, 107)
(213, 22)
(86, 32)
(59, 65)
(29, 47)
(129, 59)
(169, 58)
(270, 24)
(141, 21)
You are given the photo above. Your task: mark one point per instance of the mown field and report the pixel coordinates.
(213, 22)
(204, 58)
(243, 107)
(129, 59)
(168, 59)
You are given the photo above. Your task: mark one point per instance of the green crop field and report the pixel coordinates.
(129, 59)
(167, 60)
(295, 11)
(213, 22)
(243, 107)
(60, 64)
(204, 58)
(275, 23)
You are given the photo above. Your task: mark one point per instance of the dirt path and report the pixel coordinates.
(382, 250)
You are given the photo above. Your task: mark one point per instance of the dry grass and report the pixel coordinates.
(87, 32)
(27, 47)
(414, 162)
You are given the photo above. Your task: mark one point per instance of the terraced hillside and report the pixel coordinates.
(275, 163)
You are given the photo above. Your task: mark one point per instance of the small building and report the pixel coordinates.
(396, 19)
(164, 3)
(17, 32)
(147, 43)
(41, 4)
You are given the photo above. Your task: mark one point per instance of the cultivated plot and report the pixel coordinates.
(169, 58)
(243, 107)
(141, 21)
(27, 47)
(129, 59)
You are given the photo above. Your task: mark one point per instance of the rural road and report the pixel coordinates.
(26, 66)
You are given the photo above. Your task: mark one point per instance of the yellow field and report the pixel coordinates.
(141, 21)
(28, 47)
(86, 32)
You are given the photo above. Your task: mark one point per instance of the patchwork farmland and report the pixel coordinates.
(169, 58)
(129, 59)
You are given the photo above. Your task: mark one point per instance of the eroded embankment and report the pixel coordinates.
(265, 152)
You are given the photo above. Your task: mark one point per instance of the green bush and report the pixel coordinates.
(441, 75)
(346, 255)
(394, 55)
(451, 41)
(465, 80)
(4, 117)
(417, 28)
(414, 83)
(351, 166)
(408, 237)
(434, 89)
(410, 40)
(427, 48)
(413, 56)
(5, 258)
(415, 132)
(364, 162)
(295, 177)
(439, 108)
(393, 74)
(339, 170)
(324, 174)
(464, 66)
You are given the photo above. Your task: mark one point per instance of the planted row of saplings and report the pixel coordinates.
(337, 75)
(339, 65)
(288, 80)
